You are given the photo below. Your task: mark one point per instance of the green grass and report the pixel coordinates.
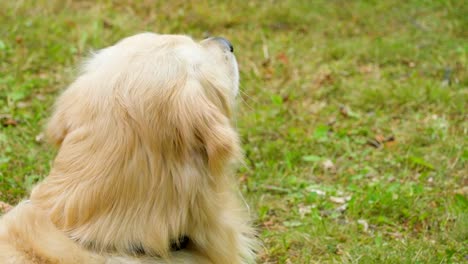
(324, 83)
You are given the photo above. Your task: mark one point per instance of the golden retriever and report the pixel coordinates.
(144, 169)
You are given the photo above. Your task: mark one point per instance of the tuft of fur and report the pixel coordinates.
(146, 154)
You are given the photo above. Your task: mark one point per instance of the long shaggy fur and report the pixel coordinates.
(146, 152)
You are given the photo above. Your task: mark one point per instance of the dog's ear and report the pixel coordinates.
(56, 128)
(69, 111)
(219, 140)
(194, 117)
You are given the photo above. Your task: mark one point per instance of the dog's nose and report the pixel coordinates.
(225, 42)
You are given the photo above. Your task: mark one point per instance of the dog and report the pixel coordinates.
(145, 162)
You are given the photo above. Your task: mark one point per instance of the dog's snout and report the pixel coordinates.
(224, 42)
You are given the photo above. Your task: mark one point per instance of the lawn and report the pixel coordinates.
(353, 114)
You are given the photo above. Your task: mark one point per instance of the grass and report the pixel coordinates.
(353, 117)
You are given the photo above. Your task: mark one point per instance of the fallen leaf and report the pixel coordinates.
(365, 225)
(366, 68)
(8, 121)
(323, 77)
(409, 63)
(390, 141)
(347, 112)
(396, 235)
(268, 73)
(314, 108)
(328, 165)
(339, 250)
(268, 223)
(344, 110)
(374, 143)
(275, 189)
(340, 200)
(41, 97)
(283, 58)
(23, 105)
(380, 138)
(107, 23)
(331, 121)
(19, 39)
(305, 210)
(342, 208)
(292, 223)
(318, 192)
(40, 138)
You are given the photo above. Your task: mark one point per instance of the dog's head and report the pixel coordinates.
(167, 95)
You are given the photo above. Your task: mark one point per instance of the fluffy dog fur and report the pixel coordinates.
(146, 148)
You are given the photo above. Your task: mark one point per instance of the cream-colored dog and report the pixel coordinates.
(146, 148)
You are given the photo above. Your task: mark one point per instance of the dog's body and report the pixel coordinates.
(146, 147)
